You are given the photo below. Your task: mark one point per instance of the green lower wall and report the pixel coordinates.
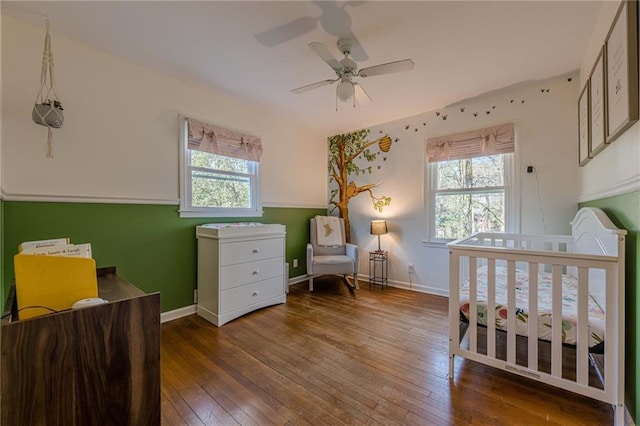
(149, 244)
(624, 211)
(1, 255)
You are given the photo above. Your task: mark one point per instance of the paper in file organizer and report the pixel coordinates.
(69, 250)
(42, 243)
(55, 276)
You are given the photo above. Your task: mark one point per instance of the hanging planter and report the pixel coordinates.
(48, 110)
(48, 115)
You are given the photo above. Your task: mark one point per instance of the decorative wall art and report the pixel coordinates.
(621, 52)
(584, 134)
(346, 154)
(596, 110)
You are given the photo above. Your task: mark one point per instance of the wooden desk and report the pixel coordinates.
(98, 365)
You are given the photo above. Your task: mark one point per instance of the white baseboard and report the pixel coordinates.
(411, 286)
(177, 313)
(298, 279)
(628, 421)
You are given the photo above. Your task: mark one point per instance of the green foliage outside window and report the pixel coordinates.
(470, 196)
(210, 188)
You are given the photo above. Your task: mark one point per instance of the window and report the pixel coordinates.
(471, 183)
(469, 195)
(215, 182)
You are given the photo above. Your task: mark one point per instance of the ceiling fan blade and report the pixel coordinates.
(326, 56)
(289, 31)
(362, 97)
(388, 68)
(313, 86)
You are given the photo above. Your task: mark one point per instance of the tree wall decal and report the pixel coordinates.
(344, 152)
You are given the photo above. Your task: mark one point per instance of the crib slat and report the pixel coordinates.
(556, 321)
(613, 331)
(511, 315)
(533, 316)
(454, 307)
(582, 332)
(473, 305)
(491, 313)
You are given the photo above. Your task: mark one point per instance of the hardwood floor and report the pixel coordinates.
(336, 356)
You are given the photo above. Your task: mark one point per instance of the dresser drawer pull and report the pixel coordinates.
(256, 272)
(255, 251)
(255, 293)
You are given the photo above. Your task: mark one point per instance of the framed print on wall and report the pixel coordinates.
(584, 134)
(621, 69)
(597, 106)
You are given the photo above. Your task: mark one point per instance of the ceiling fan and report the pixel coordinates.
(346, 69)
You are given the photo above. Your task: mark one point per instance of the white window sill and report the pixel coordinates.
(442, 244)
(230, 213)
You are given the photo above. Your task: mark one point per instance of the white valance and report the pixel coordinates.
(475, 143)
(218, 140)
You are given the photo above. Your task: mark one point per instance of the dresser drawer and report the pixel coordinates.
(248, 251)
(250, 294)
(245, 273)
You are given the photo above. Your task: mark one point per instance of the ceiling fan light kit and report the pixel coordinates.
(346, 69)
(345, 90)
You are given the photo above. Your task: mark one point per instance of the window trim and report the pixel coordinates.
(512, 199)
(188, 211)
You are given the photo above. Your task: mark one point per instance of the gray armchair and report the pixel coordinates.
(323, 260)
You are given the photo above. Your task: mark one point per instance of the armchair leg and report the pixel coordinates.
(310, 282)
(353, 286)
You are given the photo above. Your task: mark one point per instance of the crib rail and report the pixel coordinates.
(535, 254)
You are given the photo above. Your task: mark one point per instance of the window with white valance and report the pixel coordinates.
(475, 143)
(219, 171)
(220, 141)
(470, 182)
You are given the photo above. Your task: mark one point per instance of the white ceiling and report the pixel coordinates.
(460, 48)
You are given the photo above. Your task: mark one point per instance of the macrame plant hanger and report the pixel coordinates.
(47, 110)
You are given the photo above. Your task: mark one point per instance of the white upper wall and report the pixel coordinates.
(616, 170)
(546, 138)
(121, 131)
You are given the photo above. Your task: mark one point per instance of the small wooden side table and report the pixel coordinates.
(378, 268)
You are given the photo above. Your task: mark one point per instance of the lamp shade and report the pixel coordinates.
(378, 227)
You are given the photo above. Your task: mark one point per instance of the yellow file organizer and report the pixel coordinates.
(52, 281)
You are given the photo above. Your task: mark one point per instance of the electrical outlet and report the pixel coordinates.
(295, 263)
(195, 296)
(410, 268)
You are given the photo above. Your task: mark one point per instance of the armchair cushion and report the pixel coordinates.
(340, 260)
(333, 264)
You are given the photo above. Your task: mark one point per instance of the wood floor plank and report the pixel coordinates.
(221, 384)
(337, 356)
(177, 410)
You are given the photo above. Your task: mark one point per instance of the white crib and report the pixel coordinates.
(586, 267)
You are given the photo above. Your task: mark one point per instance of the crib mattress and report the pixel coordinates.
(569, 305)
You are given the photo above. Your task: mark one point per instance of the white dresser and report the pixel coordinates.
(241, 268)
